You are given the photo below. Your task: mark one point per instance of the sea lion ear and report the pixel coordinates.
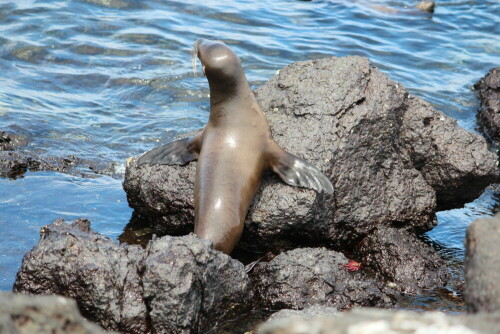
(298, 172)
(178, 152)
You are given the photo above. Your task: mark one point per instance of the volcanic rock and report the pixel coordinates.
(316, 276)
(175, 285)
(488, 89)
(482, 265)
(393, 161)
(21, 314)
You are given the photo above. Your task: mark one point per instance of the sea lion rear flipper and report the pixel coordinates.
(298, 172)
(178, 152)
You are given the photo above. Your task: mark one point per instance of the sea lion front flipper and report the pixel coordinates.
(178, 152)
(298, 172)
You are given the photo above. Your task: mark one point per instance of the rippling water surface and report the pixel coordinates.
(108, 79)
(38, 198)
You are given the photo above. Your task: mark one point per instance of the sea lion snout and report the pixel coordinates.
(217, 58)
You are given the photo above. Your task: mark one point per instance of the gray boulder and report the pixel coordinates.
(488, 89)
(373, 321)
(175, 285)
(482, 265)
(162, 195)
(102, 276)
(21, 314)
(190, 287)
(398, 257)
(316, 276)
(392, 158)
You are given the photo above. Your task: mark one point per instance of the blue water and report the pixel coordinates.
(28, 203)
(450, 232)
(108, 79)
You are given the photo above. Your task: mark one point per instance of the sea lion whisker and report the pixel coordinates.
(194, 57)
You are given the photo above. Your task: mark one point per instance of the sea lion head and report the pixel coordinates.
(221, 65)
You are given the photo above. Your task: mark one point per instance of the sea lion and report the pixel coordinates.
(233, 150)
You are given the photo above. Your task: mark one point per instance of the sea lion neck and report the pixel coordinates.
(225, 105)
(229, 87)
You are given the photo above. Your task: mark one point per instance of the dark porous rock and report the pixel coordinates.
(482, 265)
(307, 276)
(373, 321)
(6, 141)
(13, 164)
(190, 287)
(454, 162)
(389, 154)
(401, 258)
(13, 138)
(16, 163)
(101, 275)
(393, 161)
(21, 314)
(489, 112)
(175, 285)
(163, 195)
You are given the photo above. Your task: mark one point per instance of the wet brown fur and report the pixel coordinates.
(234, 150)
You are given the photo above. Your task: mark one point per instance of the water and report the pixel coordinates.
(35, 200)
(449, 235)
(108, 79)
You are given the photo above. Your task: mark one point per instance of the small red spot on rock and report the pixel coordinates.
(352, 265)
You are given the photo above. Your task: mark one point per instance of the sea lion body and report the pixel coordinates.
(233, 151)
(225, 185)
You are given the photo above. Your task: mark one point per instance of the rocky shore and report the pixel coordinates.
(181, 285)
(482, 268)
(15, 159)
(488, 117)
(393, 161)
